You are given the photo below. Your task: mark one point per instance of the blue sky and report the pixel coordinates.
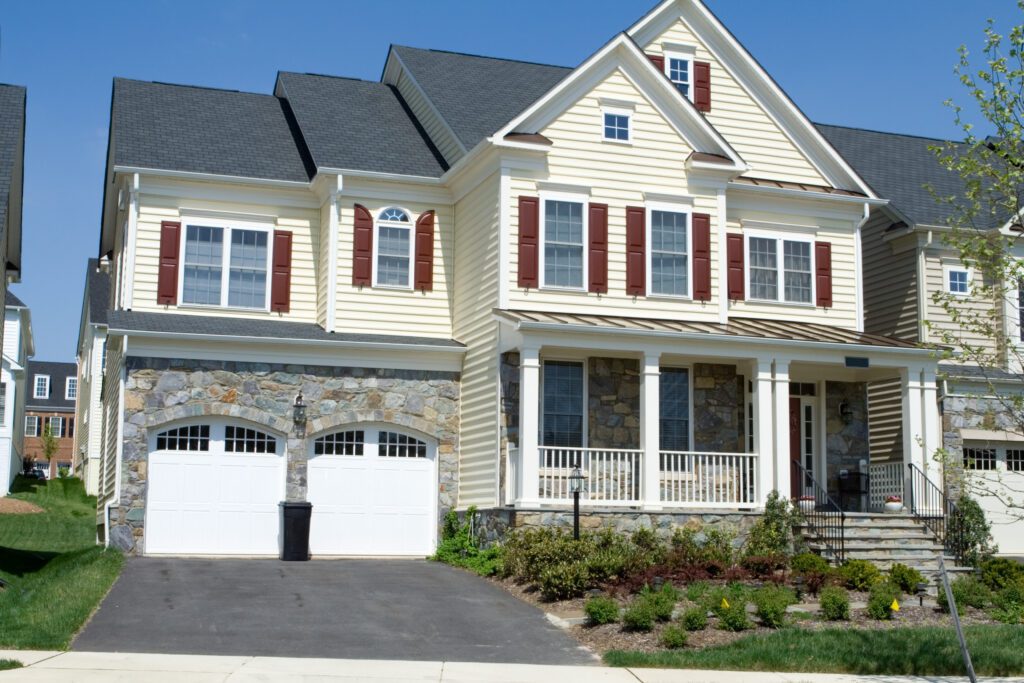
(880, 64)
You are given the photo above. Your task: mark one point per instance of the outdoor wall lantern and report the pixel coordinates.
(577, 481)
(845, 412)
(299, 413)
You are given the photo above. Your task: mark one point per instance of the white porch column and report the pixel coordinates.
(529, 426)
(913, 422)
(650, 419)
(782, 466)
(763, 432)
(931, 424)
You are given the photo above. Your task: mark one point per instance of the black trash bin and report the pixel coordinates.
(295, 524)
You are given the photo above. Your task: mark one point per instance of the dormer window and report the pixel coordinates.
(679, 72)
(394, 249)
(958, 280)
(41, 389)
(616, 126)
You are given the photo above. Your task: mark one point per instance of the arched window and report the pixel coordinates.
(394, 445)
(370, 442)
(216, 438)
(394, 245)
(187, 438)
(340, 443)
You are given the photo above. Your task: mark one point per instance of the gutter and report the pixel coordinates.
(806, 194)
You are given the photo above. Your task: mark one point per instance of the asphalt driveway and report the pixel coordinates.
(355, 609)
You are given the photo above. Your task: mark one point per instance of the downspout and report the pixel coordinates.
(723, 263)
(128, 277)
(119, 453)
(858, 265)
(331, 314)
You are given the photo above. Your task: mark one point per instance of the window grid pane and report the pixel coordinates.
(244, 440)
(669, 264)
(616, 127)
(71, 391)
(189, 438)
(204, 251)
(340, 443)
(674, 421)
(764, 269)
(980, 458)
(797, 267)
(563, 404)
(31, 425)
(1014, 460)
(247, 279)
(563, 244)
(394, 445)
(958, 282)
(393, 256)
(679, 73)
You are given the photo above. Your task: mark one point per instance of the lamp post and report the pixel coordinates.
(576, 481)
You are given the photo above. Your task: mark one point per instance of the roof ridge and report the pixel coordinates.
(886, 132)
(334, 76)
(195, 87)
(497, 59)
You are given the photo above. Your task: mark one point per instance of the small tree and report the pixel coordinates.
(50, 442)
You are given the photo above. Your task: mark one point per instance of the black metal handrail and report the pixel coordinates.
(826, 519)
(930, 505)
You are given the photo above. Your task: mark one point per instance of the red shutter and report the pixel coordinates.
(281, 273)
(734, 262)
(529, 239)
(425, 252)
(362, 247)
(598, 264)
(823, 272)
(658, 61)
(636, 256)
(701, 257)
(702, 86)
(167, 278)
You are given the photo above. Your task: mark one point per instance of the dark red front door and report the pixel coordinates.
(794, 446)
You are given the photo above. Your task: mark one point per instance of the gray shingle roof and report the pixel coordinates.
(353, 124)
(11, 300)
(12, 137)
(97, 286)
(973, 372)
(898, 167)
(203, 130)
(478, 95)
(58, 373)
(176, 323)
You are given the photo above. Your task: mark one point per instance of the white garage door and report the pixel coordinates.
(997, 476)
(373, 492)
(214, 489)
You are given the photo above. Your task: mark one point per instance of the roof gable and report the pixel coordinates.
(12, 165)
(58, 374)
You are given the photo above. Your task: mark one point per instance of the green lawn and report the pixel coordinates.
(995, 651)
(9, 664)
(55, 571)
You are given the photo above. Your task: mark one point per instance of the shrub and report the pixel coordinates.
(835, 604)
(661, 602)
(601, 609)
(695, 619)
(734, 617)
(696, 591)
(717, 548)
(1012, 594)
(968, 591)
(905, 577)
(673, 637)
(771, 603)
(971, 532)
(1000, 572)
(529, 553)
(638, 617)
(459, 547)
(859, 575)
(772, 534)
(809, 562)
(880, 600)
(1009, 614)
(563, 581)
(763, 566)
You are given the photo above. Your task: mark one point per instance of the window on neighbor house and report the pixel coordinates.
(71, 389)
(3, 402)
(1020, 310)
(563, 243)
(957, 280)
(773, 279)
(41, 388)
(674, 406)
(616, 126)
(394, 248)
(31, 425)
(56, 426)
(562, 404)
(980, 458)
(235, 276)
(670, 271)
(680, 70)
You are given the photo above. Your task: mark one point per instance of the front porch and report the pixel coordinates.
(698, 426)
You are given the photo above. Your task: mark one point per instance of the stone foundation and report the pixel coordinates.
(160, 391)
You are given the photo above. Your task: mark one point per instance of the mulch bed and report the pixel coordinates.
(13, 506)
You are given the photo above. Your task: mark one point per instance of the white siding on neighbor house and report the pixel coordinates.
(890, 282)
(89, 410)
(618, 175)
(939, 318)
(428, 117)
(741, 120)
(475, 295)
(303, 223)
(112, 416)
(885, 420)
(12, 334)
(384, 310)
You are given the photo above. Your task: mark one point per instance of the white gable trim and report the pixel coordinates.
(678, 111)
(393, 69)
(751, 76)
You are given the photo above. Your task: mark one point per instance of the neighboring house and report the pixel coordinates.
(12, 169)
(17, 348)
(52, 392)
(92, 337)
(473, 276)
(906, 261)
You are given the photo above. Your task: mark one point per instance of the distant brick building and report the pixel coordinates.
(52, 391)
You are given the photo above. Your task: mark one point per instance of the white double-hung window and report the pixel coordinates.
(679, 68)
(394, 245)
(780, 269)
(565, 229)
(41, 389)
(670, 241)
(226, 265)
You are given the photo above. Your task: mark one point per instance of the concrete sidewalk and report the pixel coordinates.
(86, 667)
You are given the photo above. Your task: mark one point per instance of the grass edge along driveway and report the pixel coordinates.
(56, 573)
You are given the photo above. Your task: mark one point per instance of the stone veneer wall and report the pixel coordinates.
(847, 443)
(718, 410)
(613, 410)
(159, 391)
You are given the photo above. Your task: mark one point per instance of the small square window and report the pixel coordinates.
(616, 127)
(957, 280)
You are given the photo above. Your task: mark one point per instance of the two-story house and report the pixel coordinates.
(50, 405)
(91, 359)
(907, 260)
(12, 171)
(17, 348)
(452, 287)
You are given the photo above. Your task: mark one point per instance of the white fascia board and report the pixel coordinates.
(390, 190)
(379, 175)
(806, 194)
(216, 189)
(207, 177)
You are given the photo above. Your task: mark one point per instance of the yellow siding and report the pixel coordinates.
(741, 120)
(428, 118)
(617, 175)
(940, 319)
(885, 420)
(890, 283)
(303, 223)
(475, 295)
(393, 311)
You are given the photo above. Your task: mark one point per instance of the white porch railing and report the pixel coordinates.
(613, 475)
(691, 479)
(886, 479)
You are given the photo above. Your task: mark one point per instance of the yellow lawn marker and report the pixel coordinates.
(725, 604)
(895, 606)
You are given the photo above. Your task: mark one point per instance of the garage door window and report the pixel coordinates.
(340, 443)
(1015, 460)
(393, 445)
(980, 458)
(189, 438)
(245, 440)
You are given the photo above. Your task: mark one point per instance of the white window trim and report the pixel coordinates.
(411, 227)
(780, 238)
(371, 441)
(650, 208)
(227, 226)
(35, 423)
(49, 421)
(35, 386)
(67, 388)
(218, 440)
(690, 418)
(584, 363)
(683, 53)
(618, 110)
(582, 199)
(948, 268)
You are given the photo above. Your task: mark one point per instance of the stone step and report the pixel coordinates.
(888, 539)
(884, 559)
